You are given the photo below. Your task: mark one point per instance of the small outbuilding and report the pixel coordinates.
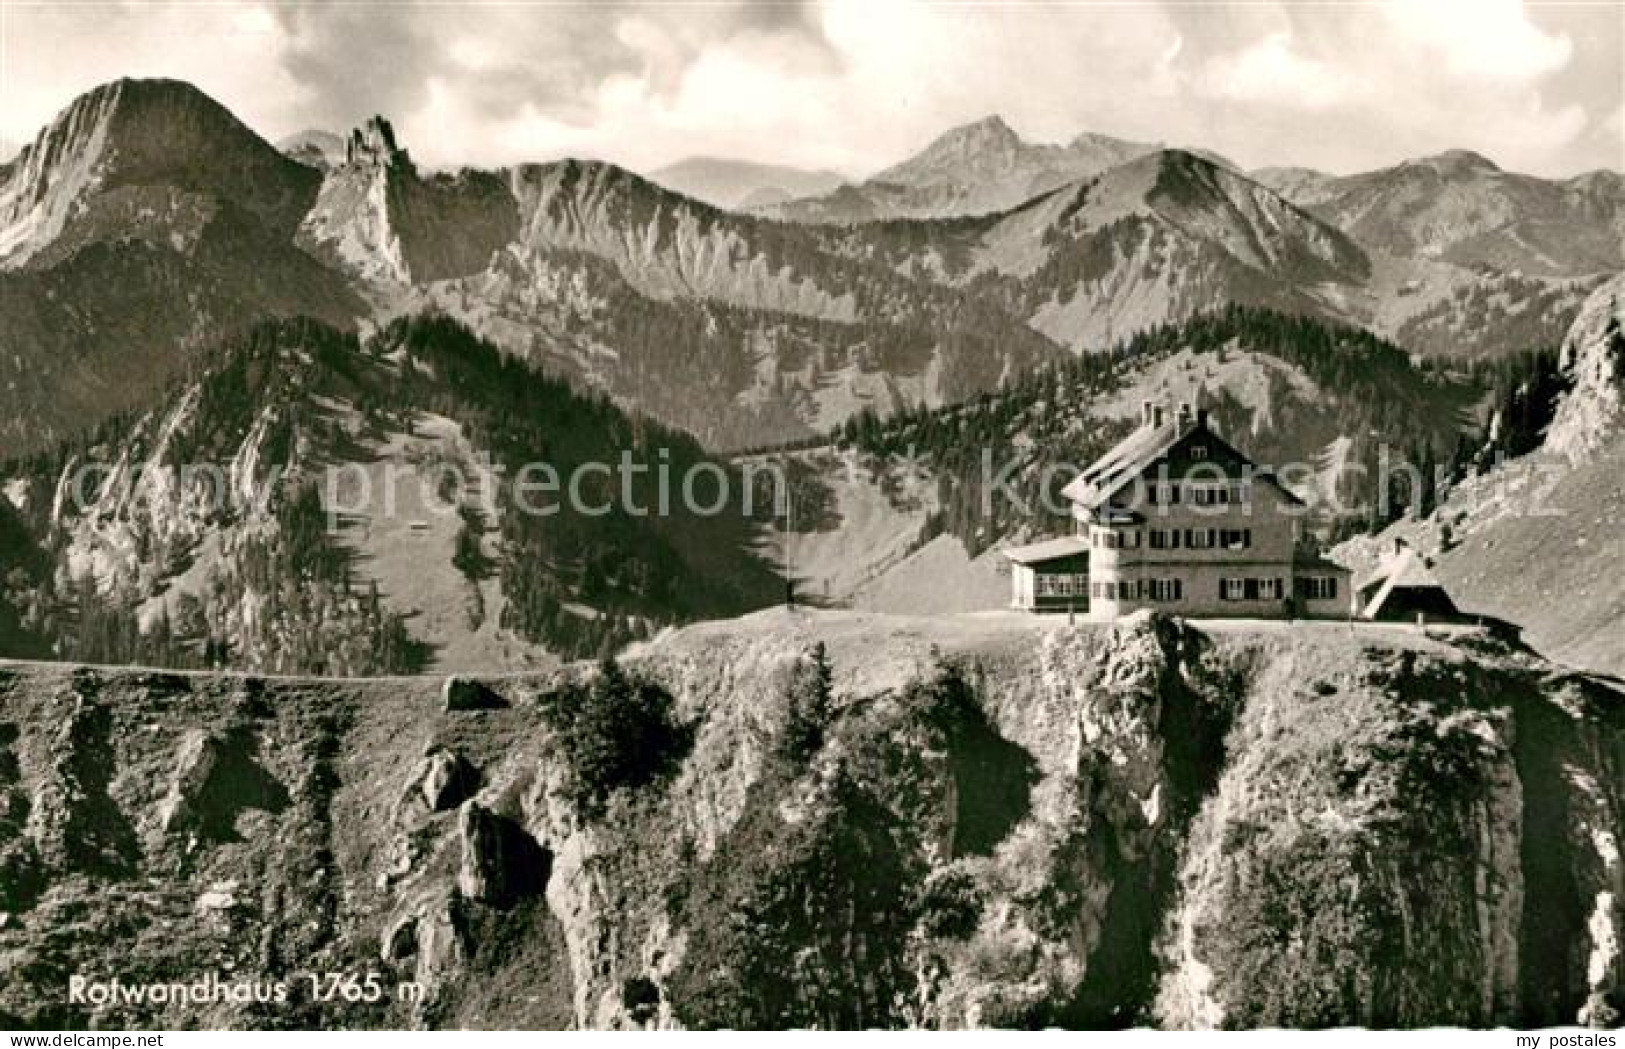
(1405, 589)
(1051, 576)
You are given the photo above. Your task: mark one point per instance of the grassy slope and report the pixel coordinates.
(1556, 569)
(1538, 543)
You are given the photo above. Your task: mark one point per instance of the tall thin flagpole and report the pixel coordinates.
(789, 545)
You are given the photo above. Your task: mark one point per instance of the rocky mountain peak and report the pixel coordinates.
(160, 136)
(373, 144)
(988, 142)
(1456, 163)
(990, 130)
(1112, 735)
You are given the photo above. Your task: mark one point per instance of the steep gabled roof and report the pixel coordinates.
(1137, 452)
(1048, 550)
(1126, 460)
(1407, 568)
(1406, 571)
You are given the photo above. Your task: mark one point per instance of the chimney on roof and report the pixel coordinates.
(1157, 414)
(1145, 412)
(1184, 416)
(1399, 545)
(1201, 418)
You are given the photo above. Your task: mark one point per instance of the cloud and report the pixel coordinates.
(504, 60)
(53, 53)
(1481, 39)
(1271, 71)
(858, 84)
(1350, 87)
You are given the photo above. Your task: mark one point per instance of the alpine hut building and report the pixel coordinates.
(1177, 519)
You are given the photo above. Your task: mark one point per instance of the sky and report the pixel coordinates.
(856, 85)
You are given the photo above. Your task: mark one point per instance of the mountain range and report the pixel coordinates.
(742, 185)
(1459, 207)
(146, 220)
(146, 232)
(1520, 517)
(976, 169)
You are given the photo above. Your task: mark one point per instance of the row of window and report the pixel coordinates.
(1061, 585)
(1202, 538)
(1141, 590)
(1199, 493)
(1318, 588)
(1175, 538)
(1251, 590)
(1311, 588)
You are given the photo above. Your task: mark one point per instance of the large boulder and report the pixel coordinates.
(502, 864)
(440, 782)
(194, 763)
(461, 693)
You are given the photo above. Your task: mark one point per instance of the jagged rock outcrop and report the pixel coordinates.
(1535, 540)
(383, 222)
(145, 222)
(501, 863)
(1593, 357)
(73, 822)
(442, 781)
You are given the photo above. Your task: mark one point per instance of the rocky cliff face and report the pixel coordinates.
(1594, 358)
(382, 222)
(944, 823)
(743, 331)
(1159, 239)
